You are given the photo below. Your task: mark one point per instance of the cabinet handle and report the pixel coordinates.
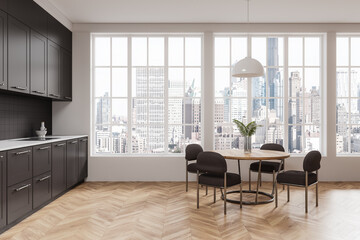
(2, 84)
(83, 140)
(38, 92)
(54, 95)
(22, 188)
(73, 142)
(1, 156)
(44, 178)
(19, 88)
(23, 152)
(44, 148)
(59, 145)
(68, 98)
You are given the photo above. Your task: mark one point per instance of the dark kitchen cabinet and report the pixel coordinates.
(41, 189)
(72, 163)
(53, 69)
(19, 165)
(3, 5)
(59, 34)
(58, 168)
(30, 13)
(41, 159)
(3, 50)
(2, 189)
(38, 64)
(66, 75)
(83, 158)
(19, 199)
(18, 56)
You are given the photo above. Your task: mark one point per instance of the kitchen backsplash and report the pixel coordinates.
(20, 115)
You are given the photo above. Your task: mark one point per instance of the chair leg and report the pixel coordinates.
(283, 187)
(240, 195)
(187, 175)
(214, 195)
(288, 193)
(273, 189)
(206, 190)
(225, 193)
(249, 179)
(306, 192)
(260, 180)
(317, 194)
(197, 177)
(276, 196)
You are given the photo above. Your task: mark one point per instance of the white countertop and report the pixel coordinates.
(21, 142)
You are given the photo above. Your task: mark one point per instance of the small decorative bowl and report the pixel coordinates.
(41, 133)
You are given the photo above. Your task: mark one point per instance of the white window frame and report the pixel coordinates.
(129, 91)
(349, 66)
(322, 87)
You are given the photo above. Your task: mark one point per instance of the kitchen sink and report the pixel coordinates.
(36, 139)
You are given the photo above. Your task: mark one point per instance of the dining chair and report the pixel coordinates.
(191, 153)
(304, 178)
(212, 172)
(267, 167)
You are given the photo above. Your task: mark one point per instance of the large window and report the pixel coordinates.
(348, 95)
(146, 93)
(286, 101)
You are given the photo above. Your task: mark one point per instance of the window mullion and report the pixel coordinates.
(166, 96)
(286, 94)
(130, 97)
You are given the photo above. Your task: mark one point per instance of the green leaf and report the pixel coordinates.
(246, 130)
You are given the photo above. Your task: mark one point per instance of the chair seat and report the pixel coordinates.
(218, 180)
(266, 166)
(192, 168)
(295, 177)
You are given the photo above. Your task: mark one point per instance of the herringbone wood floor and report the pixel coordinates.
(162, 210)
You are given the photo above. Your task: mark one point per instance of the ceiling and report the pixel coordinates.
(209, 11)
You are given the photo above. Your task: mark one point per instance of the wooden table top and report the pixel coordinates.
(255, 154)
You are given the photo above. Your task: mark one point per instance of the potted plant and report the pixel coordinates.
(247, 131)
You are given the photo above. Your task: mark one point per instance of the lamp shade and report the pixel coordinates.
(248, 67)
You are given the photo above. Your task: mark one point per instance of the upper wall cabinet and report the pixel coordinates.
(3, 50)
(59, 34)
(38, 64)
(18, 56)
(66, 75)
(35, 51)
(54, 88)
(3, 5)
(29, 13)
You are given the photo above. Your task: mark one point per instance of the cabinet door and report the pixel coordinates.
(18, 56)
(41, 189)
(53, 70)
(19, 198)
(41, 159)
(19, 165)
(66, 74)
(3, 50)
(29, 12)
(83, 158)
(59, 34)
(72, 163)
(3, 5)
(38, 64)
(2, 189)
(58, 167)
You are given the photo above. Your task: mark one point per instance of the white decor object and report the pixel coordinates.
(42, 132)
(248, 67)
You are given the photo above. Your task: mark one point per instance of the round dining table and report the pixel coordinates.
(258, 155)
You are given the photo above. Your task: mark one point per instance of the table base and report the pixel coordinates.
(246, 202)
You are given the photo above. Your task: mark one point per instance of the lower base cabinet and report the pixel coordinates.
(2, 189)
(31, 177)
(19, 199)
(41, 189)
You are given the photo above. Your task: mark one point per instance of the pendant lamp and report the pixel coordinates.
(248, 67)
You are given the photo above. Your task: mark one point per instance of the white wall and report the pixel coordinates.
(74, 117)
